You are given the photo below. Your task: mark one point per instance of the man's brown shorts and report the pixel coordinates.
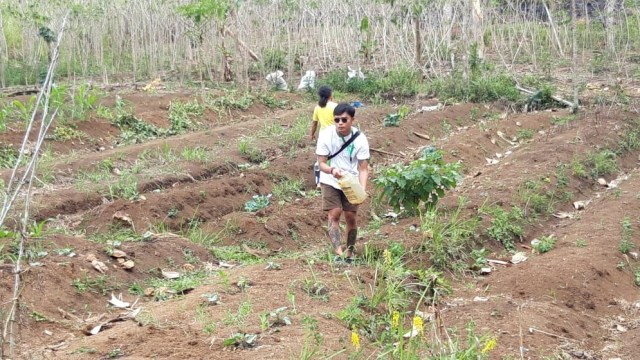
(333, 198)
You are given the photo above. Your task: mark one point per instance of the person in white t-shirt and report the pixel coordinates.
(354, 159)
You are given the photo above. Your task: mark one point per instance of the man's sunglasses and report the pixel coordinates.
(343, 120)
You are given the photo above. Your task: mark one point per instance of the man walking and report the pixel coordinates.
(342, 148)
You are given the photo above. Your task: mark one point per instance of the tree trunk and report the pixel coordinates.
(416, 20)
(610, 26)
(447, 21)
(478, 28)
(554, 29)
(574, 55)
(4, 57)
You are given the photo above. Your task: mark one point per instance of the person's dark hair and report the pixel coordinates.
(344, 108)
(324, 93)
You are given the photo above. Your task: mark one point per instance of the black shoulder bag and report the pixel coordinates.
(344, 146)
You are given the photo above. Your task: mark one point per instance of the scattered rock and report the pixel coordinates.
(634, 255)
(188, 267)
(123, 217)
(91, 257)
(602, 182)
(100, 266)
(485, 271)
(117, 171)
(47, 332)
(118, 254)
(535, 242)
(518, 258)
(129, 264)
(621, 328)
(480, 299)
(148, 291)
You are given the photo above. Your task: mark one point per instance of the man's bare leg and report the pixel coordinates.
(352, 232)
(334, 230)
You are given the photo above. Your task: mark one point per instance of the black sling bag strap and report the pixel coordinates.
(344, 146)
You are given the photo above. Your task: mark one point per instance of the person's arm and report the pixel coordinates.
(322, 161)
(363, 173)
(314, 127)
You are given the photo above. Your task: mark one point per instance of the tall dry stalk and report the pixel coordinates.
(138, 40)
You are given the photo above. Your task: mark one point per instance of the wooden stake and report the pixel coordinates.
(384, 152)
(422, 136)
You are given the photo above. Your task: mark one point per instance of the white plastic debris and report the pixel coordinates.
(579, 205)
(518, 258)
(355, 73)
(308, 81)
(118, 302)
(431, 108)
(95, 329)
(276, 79)
(170, 274)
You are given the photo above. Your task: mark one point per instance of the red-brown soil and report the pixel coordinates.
(578, 294)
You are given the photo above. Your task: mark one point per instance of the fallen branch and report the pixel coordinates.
(242, 44)
(384, 152)
(532, 330)
(556, 98)
(422, 136)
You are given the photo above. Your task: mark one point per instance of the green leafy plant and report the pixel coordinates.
(258, 202)
(312, 339)
(421, 181)
(272, 102)
(8, 156)
(505, 226)
(197, 153)
(392, 120)
(626, 245)
(603, 162)
(98, 284)
(448, 237)
(545, 244)
(524, 134)
(287, 189)
(182, 116)
(250, 151)
(67, 132)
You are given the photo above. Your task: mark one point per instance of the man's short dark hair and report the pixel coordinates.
(344, 108)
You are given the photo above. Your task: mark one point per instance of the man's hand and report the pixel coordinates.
(337, 173)
(313, 137)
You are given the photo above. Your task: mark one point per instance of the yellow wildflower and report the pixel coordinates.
(355, 339)
(395, 320)
(418, 325)
(387, 257)
(489, 346)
